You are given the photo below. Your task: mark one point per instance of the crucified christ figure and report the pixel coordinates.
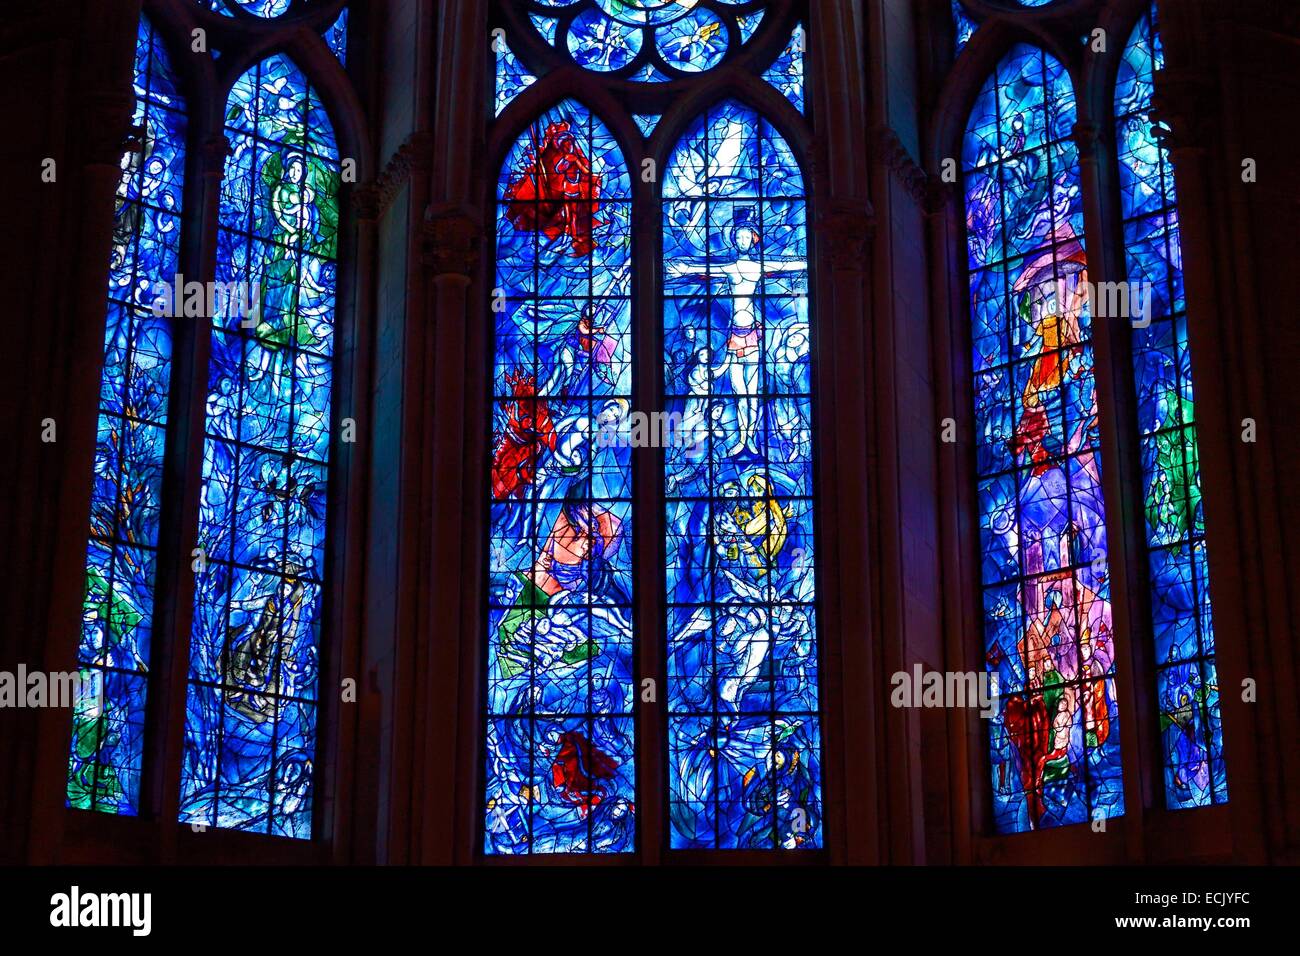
(742, 275)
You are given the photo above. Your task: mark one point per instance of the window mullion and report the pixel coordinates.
(165, 727)
(649, 549)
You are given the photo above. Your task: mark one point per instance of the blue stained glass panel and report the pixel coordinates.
(254, 656)
(649, 41)
(601, 44)
(695, 43)
(512, 78)
(786, 74)
(1054, 743)
(650, 74)
(545, 26)
(1187, 686)
(261, 8)
(107, 750)
(744, 726)
(965, 25)
(560, 767)
(336, 37)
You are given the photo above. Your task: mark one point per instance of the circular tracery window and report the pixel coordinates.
(261, 8)
(647, 40)
(639, 12)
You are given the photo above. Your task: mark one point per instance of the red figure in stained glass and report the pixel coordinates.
(529, 431)
(556, 193)
(577, 767)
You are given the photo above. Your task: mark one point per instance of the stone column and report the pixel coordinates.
(1230, 77)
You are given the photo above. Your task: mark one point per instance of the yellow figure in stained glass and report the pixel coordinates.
(765, 521)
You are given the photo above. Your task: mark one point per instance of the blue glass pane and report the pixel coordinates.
(261, 8)
(560, 767)
(744, 727)
(599, 43)
(648, 39)
(254, 656)
(337, 37)
(749, 24)
(1054, 744)
(126, 507)
(786, 74)
(512, 78)
(1192, 733)
(641, 12)
(693, 44)
(545, 26)
(650, 74)
(965, 25)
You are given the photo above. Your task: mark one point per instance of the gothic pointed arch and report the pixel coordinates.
(215, 552)
(581, 415)
(1048, 628)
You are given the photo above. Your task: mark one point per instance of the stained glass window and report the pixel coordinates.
(1186, 681)
(512, 78)
(744, 757)
(743, 727)
(965, 25)
(336, 37)
(126, 508)
(1054, 744)
(559, 726)
(650, 41)
(646, 124)
(252, 698)
(786, 74)
(261, 8)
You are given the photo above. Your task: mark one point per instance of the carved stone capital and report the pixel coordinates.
(889, 149)
(450, 243)
(939, 196)
(849, 229)
(372, 199)
(367, 202)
